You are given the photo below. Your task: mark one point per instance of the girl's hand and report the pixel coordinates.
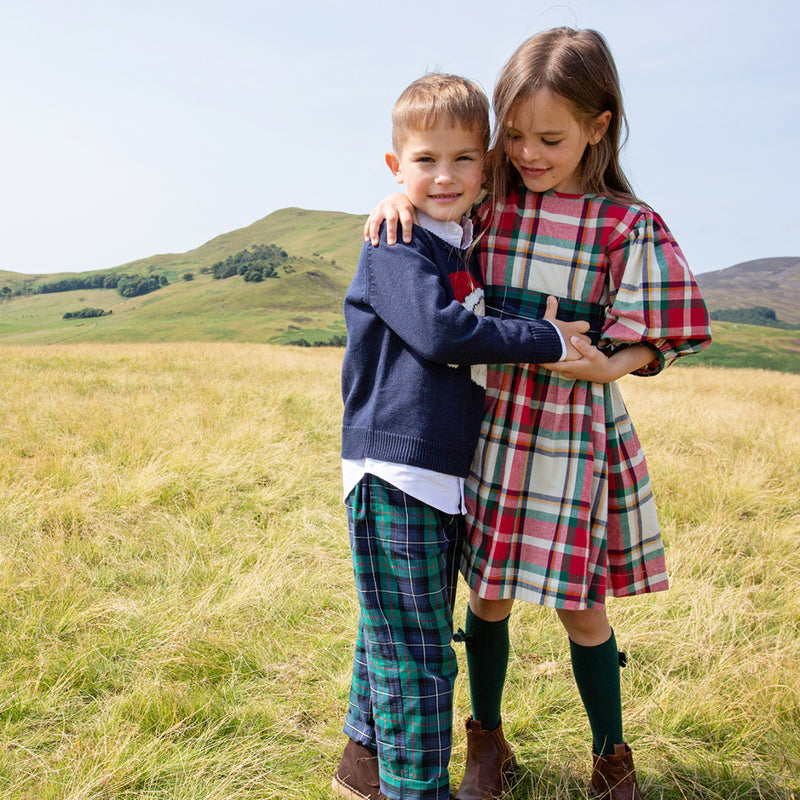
(596, 367)
(396, 207)
(591, 366)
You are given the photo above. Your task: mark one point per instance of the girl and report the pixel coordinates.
(560, 507)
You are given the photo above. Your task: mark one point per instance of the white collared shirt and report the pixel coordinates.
(458, 234)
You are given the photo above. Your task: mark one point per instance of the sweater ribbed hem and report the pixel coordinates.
(399, 449)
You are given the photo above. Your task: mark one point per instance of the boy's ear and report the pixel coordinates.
(599, 127)
(393, 162)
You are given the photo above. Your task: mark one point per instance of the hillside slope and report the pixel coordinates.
(330, 235)
(771, 282)
(305, 305)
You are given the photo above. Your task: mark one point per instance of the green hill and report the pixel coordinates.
(304, 306)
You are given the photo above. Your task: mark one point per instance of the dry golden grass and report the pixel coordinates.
(177, 609)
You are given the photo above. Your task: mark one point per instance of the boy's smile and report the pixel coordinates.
(441, 168)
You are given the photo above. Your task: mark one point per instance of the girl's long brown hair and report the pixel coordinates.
(576, 65)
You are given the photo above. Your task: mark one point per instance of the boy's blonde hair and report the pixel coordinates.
(435, 98)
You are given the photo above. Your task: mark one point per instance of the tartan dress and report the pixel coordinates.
(560, 509)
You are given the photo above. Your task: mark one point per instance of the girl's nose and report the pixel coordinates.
(529, 153)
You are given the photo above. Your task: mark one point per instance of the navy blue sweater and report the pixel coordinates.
(405, 325)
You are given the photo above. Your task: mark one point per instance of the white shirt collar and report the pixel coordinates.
(458, 234)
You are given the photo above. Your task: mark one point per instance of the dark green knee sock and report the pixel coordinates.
(596, 671)
(487, 662)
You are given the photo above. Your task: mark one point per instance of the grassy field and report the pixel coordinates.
(178, 613)
(750, 347)
(305, 305)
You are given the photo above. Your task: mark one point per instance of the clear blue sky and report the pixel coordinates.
(134, 128)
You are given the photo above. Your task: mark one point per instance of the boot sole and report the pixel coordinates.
(342, 789)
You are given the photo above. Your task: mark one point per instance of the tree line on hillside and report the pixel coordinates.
(86, 313)
(757, 315)
(263, 261)
(127, 285)
(254, 265)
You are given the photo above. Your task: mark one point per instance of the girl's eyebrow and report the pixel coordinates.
(559, 132)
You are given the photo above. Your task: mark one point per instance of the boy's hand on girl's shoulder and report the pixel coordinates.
(394, 208)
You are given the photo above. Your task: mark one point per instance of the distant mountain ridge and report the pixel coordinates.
(771, 282)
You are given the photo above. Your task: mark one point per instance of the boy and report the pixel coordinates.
(412, 413)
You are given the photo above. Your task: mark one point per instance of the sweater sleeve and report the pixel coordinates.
(412, 295)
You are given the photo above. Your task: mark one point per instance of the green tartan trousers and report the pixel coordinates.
(405, 559)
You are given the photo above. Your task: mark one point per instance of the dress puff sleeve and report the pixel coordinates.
(653, 297)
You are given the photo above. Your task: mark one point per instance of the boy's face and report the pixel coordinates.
(441, 168)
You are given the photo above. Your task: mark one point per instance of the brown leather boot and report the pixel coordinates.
(613, 777)
(491, 765)
(356, 777)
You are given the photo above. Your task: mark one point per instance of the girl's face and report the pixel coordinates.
(545, 142)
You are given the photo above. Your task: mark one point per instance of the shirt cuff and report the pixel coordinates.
(560, 339)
